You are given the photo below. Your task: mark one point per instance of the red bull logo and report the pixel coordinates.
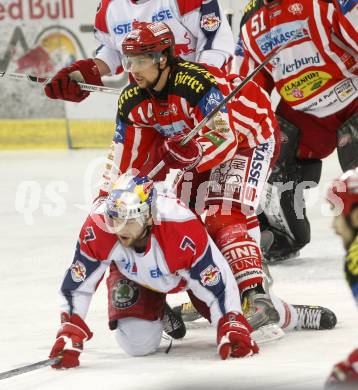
(210, 22)
(78, 272)
(36, 61)
(210, 276)
(52, 51)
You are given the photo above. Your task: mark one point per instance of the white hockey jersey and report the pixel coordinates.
(202, 32)
(180, 255)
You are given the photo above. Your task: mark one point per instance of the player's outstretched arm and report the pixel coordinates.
(69, 341)
(64, 85)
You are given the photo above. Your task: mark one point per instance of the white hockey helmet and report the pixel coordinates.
(131, 198)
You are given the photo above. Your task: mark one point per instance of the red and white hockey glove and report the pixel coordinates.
(184, 157)
(233, 337)
(69, 341)
(63, 87)
(345, 374)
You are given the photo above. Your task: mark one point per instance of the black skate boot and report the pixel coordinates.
(315, 317)
(173, 325)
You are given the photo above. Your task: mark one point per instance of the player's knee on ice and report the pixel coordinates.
(138, 337)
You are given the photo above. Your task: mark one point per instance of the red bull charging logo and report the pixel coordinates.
(210, 276)
(78, 272)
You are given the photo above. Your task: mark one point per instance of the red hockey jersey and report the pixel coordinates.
(318, 72)
(192, 91)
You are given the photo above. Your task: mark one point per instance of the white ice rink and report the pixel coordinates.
(42, 207)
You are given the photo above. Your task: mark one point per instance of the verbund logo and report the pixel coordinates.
(297, 64)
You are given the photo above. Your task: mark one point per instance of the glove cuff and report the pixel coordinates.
(78, 322)
(89, 71)
(235, 320)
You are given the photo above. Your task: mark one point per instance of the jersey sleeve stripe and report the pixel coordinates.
(323, 34)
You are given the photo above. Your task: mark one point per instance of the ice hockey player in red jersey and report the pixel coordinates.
(316, 78)
(225, 166)
(157, 246)
(201, 30)
(344, 192)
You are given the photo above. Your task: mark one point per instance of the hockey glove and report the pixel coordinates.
(345, 374)
(233, 337)
(62, 86)
(184, 157)
(69, 341)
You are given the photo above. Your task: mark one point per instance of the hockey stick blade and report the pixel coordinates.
(30, 367)
(44, 80)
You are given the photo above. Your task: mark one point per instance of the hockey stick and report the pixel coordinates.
(30, 367)
(216, 109)
(45, 80)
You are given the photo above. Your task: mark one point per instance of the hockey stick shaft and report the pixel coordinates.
(216, 109)
(45, 80)
(30, 367)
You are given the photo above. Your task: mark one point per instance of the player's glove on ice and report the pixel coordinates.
(69, 341)
(65, 88)
(184, 157)
(345, 374)
(233, 337)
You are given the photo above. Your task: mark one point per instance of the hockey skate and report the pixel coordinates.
(187, 312)
(315, 317)
(173, 325)
(261, 315)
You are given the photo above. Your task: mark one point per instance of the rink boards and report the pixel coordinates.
(55, 133)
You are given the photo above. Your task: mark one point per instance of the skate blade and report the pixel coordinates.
(267, 334)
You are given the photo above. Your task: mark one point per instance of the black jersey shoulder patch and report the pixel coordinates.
(191, 81)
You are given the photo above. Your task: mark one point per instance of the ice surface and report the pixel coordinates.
(36, 246)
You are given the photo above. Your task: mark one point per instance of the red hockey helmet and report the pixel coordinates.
(345, 188)
(148, 38)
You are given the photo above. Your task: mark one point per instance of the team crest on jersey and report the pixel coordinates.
(78, 271)
(213, 99)
(210, 276)
(210, 22)
(124, 294)
(296, 8)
